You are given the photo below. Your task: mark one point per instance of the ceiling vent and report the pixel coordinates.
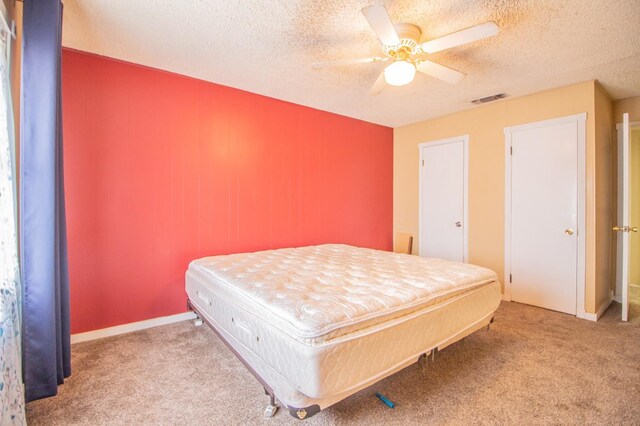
(489, 98)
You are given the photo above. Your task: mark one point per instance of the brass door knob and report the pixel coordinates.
(569, 231)
(626, 228)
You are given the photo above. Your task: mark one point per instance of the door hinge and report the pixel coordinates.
(422, 163)
(510, 150)
(510, 278)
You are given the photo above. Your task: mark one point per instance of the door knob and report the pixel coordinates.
(458, 224)
(626, 228)
(569, 231)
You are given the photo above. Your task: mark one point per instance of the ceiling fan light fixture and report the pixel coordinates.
(399, 73)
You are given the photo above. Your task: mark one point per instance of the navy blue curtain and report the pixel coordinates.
(43, 244)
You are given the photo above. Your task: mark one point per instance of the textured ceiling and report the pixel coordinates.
(267, 47)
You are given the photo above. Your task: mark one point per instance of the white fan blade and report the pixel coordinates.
(378, 85)
(440, 71)
(458, 38)
(343, 62)
(381, 23)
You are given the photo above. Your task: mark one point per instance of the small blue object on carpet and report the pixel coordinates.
(386, 400)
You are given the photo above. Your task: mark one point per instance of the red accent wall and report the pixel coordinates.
(161, 169)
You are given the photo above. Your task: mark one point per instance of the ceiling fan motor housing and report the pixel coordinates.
(409, 35)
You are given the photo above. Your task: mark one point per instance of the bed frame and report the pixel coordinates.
(301, 413)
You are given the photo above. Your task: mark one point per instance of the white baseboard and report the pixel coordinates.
(597, 315)
(506, 297)
(616, 297)
(588, 316)
(128, 328)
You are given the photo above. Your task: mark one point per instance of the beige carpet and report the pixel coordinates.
(533, 367)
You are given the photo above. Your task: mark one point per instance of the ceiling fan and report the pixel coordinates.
(401, 44)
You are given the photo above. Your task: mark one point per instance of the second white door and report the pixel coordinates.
(443, 199)
(544, 214)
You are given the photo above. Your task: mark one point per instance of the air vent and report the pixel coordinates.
(489, 98)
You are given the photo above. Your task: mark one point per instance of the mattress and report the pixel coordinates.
(319, 323)
(319, 293)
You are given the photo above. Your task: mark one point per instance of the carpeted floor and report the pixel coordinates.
(534, 366)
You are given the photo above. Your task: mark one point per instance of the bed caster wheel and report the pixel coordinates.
(270, 411)
(197, 322)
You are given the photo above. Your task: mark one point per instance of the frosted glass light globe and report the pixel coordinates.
(399, 73)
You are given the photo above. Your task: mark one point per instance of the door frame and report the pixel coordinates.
(632, 126)
(465, 179)
(580, 121)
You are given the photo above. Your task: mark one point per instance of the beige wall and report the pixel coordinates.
(634, 255)
(605, 166)
(630, 105)
(485, 126)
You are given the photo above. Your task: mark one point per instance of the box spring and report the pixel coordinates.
(319, 374)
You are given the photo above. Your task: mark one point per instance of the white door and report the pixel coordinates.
(544, 215)
(623, 228)
(443, 199)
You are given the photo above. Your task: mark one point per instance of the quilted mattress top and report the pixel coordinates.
(333, 289)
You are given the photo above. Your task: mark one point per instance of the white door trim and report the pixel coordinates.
(619, 220)
(580, 120)
(465, 232)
